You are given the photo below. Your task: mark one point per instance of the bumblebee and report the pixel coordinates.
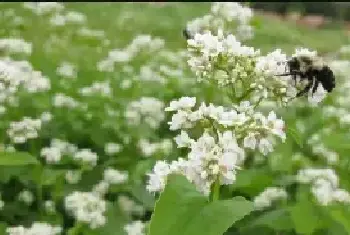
(313, 70)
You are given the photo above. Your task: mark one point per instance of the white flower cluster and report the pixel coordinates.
(147, 109)
(217, 154)
(135, 228)
(17, 74)
(86, 207)
(67, 69)
(73, 177)
(268, 196)
(57, 149)
(15, 46)
(26, 196)
(71, 17)
(112, 148)
(148, 148)
(325, 185)
(41, 8)
(318, 148)
(50, 206)
(230, 16)
(62, 100)
(97, 88)
(110, 177)
(19, 132)
(91, 33)
(141, 43)
(86, 156)
(37, 228)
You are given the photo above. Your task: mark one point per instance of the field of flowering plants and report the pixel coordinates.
(114, 124)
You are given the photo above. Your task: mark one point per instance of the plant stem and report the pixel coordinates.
(215, 191)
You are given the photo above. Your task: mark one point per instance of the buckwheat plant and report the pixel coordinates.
(218, 137)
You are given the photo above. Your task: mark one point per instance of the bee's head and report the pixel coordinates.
(294, 64)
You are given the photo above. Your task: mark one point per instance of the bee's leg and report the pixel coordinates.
(314, 89)
(305, 90)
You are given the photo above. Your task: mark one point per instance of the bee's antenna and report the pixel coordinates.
(186, 34)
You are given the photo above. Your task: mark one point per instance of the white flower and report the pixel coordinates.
(179, 120)
(250, 141)
(73, 177)
(87, 208)
(318, 96)
(182, 103)
(157, 178)
(268, 196)
(51, 154)
(112, 148)
(26, 197)
(304, 52)
(113, 176)
(276, 125)
(265, 146)
(37, 228)
(86, 156)
(183, 140)
(135, 228)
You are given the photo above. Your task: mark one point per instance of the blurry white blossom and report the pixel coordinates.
(73, 177)
(26, 197)
(37, 228)
(67, 69)
(15, 45)
(86, 156)
(113, 176)
(62, 100)
(19, 132)
(324, 185)
(268, 196)
(135, 228)
(147, 109)
(148, 148)
(50, 206)
(86, 207)
(51, 154)
(97, 88)
(112, 148)
(41, 8)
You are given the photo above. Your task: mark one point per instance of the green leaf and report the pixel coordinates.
(303, 209)
(277, 220)
(143, 196)
(295, 135)
(340, 215)
(17, 159)
(181, 209)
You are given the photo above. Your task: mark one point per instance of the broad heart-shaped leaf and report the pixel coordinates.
(304, 208)
(17, 159)
(277, 220)
(341, 215)
(181, 209)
